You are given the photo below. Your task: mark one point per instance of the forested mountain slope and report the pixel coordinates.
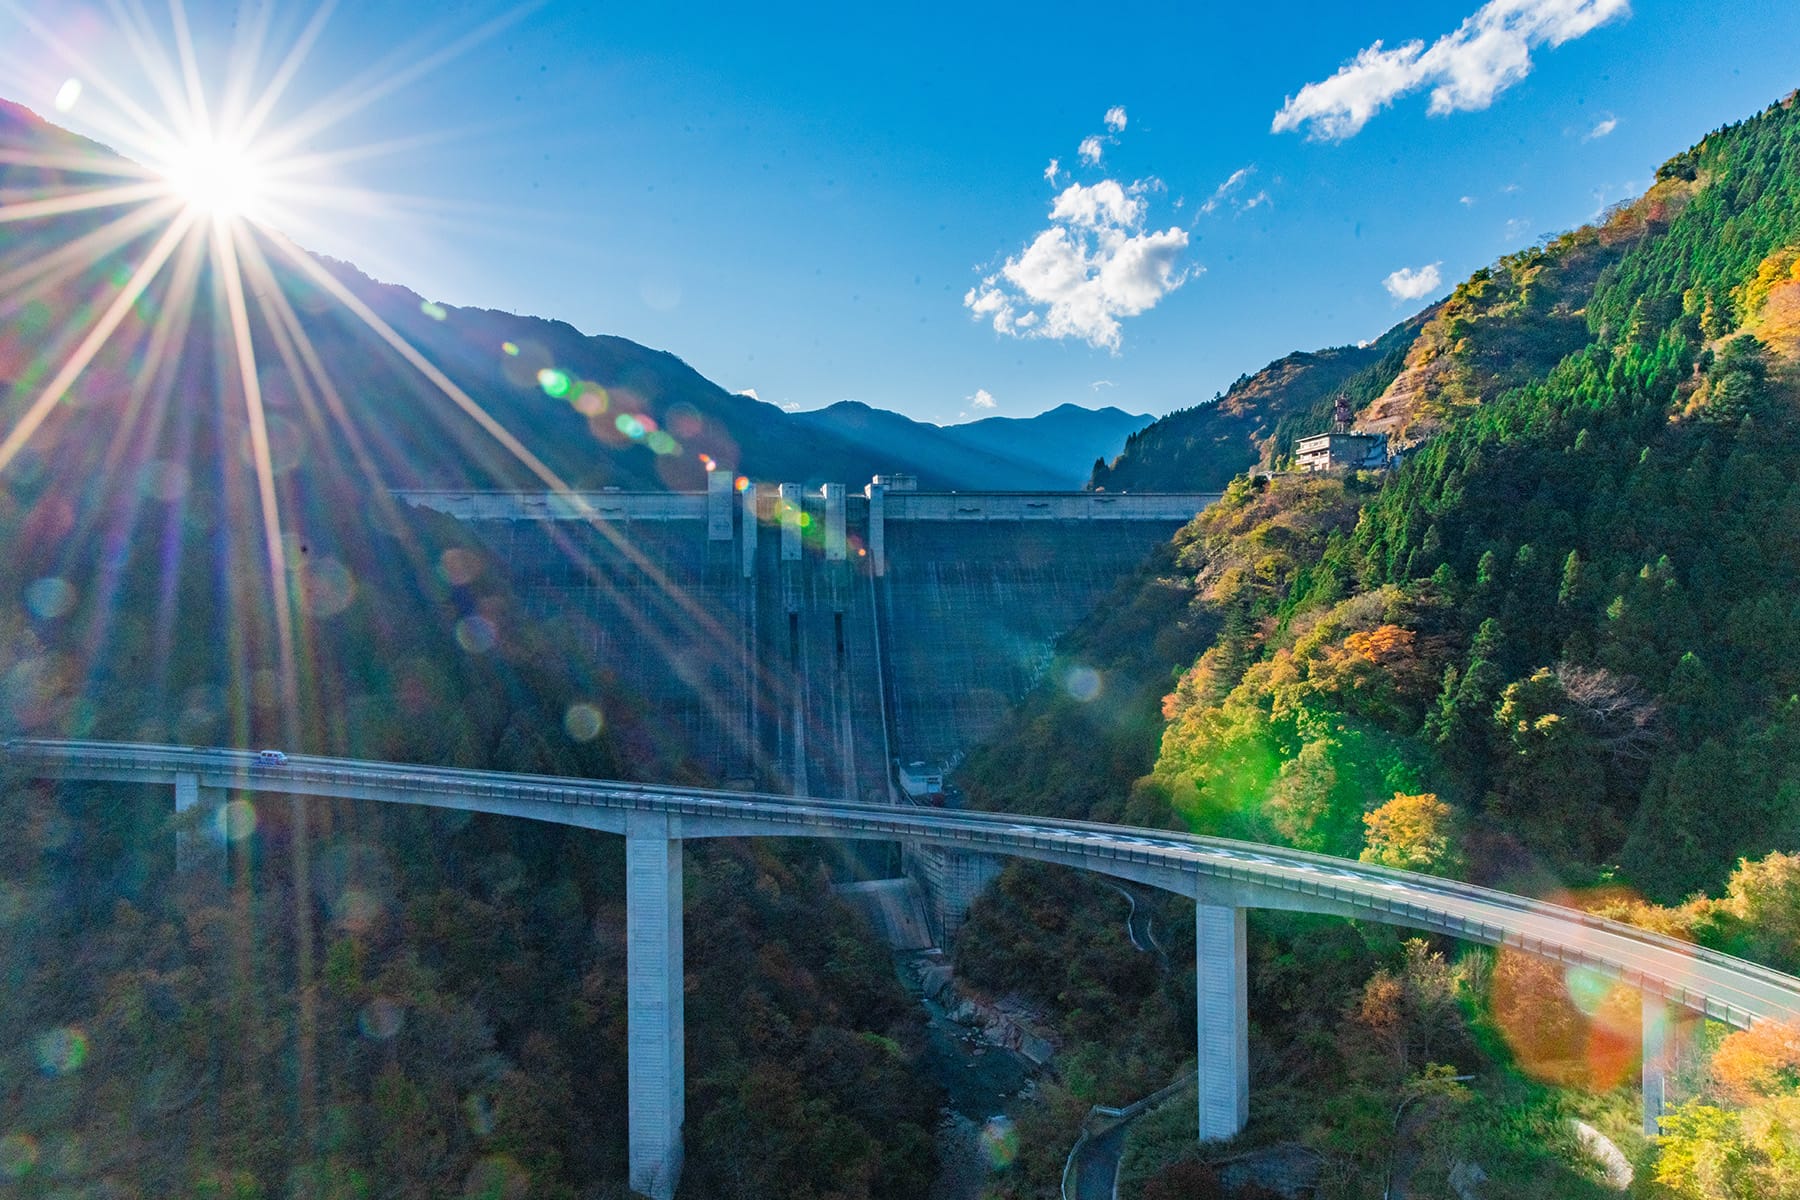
(1555, 650)
(351, 1000)
(1257, 419)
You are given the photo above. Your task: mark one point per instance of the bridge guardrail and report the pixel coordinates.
(1123, 843)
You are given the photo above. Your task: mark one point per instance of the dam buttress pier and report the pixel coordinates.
(807, 640)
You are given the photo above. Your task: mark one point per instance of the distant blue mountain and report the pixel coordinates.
(1052, 451)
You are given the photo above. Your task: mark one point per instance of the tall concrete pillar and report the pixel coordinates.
(655, 1057)
(1224, 1020)
(1658, 1061)
(203, 843)
(718, 506)
(749, 528)
(792, 507)
(877, 495)
(836, 544)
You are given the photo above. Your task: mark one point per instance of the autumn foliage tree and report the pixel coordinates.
(1414, 833)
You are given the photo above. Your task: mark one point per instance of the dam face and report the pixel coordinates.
(812, 641)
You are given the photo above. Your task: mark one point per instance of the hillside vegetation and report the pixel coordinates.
(1257, 419)
(343, 1000)
(1556, 651)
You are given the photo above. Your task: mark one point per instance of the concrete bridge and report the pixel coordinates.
(1224, 878)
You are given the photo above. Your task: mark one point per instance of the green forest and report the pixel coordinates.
(1553, 651)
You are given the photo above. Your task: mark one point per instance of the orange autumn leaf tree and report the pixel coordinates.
(1415, 833)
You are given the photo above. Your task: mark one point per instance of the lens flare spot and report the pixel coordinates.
(61, 1051)
(629, 425)
(583, 722)
(741, 483)
(49, 598)
(1083, 683)
(662, 443)
(237, 820)
(497, 1178)
(478, 1112)
(555, 383)
(68, 95)
(356, 909)
(476, 634)
(459, 567)
(380, 1019)
(286, 440)
(1588, 989)
(999, 1142)
(706, 460)
(684, 420)
(591, 400)
(436, 312)
(326, 587)
(18, 1154)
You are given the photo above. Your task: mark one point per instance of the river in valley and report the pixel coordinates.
(982, 1083)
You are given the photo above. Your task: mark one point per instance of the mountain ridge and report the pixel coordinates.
(649, 419)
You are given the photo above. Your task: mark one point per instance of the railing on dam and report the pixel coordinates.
(468, 505)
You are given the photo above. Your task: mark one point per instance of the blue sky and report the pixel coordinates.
(837, 203)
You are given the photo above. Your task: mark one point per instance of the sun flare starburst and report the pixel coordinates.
(218, 178)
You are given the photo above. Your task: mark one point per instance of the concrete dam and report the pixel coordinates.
(812, 641)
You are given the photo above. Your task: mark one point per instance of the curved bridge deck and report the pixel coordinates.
(1223, 877)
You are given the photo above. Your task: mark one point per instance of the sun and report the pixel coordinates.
(217, 179)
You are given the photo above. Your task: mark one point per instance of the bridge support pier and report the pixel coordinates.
(656, 1055)
(1224, 1020)
(1667, 1028)
(201, 844)
(951, 880)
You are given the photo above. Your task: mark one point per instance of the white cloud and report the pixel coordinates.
(1602, 129)
(981, 399)
(1102, 383)
(1465, 70)
(790, 406)
(1410, 284)
(1468, 201)
(1095, 264)
(750, 392)
(1257, 200)
(1093, 207)
(1516, 228)
(1224, 191)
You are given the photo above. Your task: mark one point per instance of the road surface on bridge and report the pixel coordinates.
(1210, 870)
